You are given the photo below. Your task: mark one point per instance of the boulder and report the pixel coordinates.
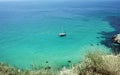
(116, 39)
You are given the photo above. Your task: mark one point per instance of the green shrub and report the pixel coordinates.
(98, 63)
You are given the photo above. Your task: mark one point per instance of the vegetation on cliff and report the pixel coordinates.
(94, 63)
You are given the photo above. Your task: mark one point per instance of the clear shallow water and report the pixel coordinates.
(29, 31)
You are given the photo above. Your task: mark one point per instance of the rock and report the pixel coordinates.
(69, 61)
(46, 62)
(66, 71)
(116, 38)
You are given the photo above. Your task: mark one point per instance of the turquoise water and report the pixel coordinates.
(29, 31)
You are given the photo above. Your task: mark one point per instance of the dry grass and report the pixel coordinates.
(5, 69)
(97, 63)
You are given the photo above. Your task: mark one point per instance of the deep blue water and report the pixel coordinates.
(29, 31)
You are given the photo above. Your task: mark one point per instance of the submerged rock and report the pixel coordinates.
(69, 61)
(47, 68)
(46, 62)
(116, 39)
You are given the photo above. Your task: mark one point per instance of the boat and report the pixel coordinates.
(62, 34)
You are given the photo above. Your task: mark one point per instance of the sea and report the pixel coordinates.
(29, 31)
